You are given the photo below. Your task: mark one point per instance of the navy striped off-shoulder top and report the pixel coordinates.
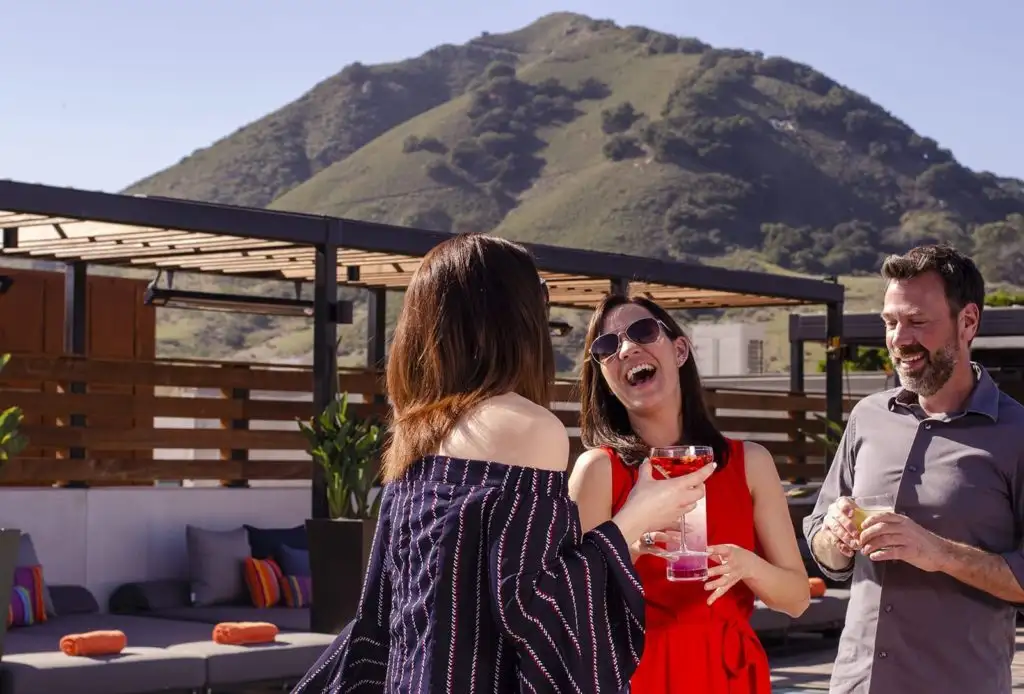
(481, 581)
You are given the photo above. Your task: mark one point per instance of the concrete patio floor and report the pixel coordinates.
(805, 666)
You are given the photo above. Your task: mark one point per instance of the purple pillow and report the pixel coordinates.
(27, 605)
(293, 562)
(298, 591)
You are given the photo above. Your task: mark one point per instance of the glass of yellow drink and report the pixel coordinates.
(868, 506)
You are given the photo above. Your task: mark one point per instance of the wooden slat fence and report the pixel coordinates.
(179, 419)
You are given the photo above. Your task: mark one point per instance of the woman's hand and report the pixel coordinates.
(657, 504)
(735, 564)
(651, 542)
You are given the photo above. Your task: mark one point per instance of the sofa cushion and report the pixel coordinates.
(68, 600)
(293, 562)
(26, 607)
(145, 596)
(263, 542)
(284, 618)
(32, 662)
(297, 591)
(286, 660)
(27, 557)
(215, 561)
(263, 578)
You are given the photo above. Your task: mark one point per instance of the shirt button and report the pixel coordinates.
(912, 468)
(883, 654)
(927, 426)
(888, 608)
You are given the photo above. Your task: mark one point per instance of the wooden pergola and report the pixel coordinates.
(81, 228)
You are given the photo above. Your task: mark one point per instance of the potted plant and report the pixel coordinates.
(12, 442)
(347, 449)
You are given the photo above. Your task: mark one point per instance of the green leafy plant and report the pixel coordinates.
(347, 448)
(832, 436)
(12, 442)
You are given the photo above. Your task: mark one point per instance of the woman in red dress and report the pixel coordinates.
(641, 389)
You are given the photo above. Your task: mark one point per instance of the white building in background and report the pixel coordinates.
(728, 349)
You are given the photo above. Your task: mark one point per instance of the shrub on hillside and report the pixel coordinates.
(619, 147)
(618, 119)
(429, 143)
(499, 69)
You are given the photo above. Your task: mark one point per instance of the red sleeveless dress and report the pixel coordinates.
(690, 646)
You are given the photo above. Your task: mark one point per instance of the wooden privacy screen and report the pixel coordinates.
(118, 326)
(132, 408)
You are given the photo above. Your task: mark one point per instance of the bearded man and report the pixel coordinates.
(937, 577)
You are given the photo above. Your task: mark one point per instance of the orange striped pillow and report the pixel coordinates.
(263, 577)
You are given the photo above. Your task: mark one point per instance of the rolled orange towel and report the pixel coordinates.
(94, 643)
(241, 633)
(817, 586)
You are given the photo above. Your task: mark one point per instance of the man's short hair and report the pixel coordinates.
(960, 276)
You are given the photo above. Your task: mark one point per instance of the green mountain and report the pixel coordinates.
(578, 132)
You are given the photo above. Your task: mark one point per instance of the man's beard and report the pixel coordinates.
(936, 371)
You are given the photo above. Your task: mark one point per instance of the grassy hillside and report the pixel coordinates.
(577, 132)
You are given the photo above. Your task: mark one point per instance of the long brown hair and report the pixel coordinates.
(604, 420)
(473, 325)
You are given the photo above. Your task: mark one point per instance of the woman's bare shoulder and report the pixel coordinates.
(513, 430)
(592, 470)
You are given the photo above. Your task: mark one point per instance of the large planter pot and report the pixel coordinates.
(10, 538)
(339, 550)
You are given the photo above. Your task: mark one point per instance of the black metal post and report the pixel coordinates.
(796, 357)
(834, 363)
(376, 331)
(325, 343)
(75, 338)
(620, 285)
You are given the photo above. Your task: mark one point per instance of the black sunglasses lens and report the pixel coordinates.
(644, 331)
(604, 346)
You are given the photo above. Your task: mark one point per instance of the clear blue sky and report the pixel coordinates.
(99, 93)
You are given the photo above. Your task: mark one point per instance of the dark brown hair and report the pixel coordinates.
(473, 325)
(603, 419)
(960, 276)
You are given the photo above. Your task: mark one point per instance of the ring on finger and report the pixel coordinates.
(648, 539)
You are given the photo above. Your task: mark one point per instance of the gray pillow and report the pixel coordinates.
(27, 557)
(215, 565)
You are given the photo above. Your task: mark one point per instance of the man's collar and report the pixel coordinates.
(984, 398)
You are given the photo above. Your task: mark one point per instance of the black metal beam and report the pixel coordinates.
(384, 238)
(834, 364)
(161, 213)
(325, 341)
(867, 329)
(75, 339)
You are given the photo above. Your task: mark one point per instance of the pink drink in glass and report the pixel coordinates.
(688, 562)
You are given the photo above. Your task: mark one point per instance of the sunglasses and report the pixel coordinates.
(641, 332)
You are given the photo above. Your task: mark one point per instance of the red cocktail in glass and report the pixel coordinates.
(689, 561)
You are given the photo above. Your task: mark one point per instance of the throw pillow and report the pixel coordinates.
(27, 557)
(264, 541)
(215, 561)
(27, 605)
(263, 577)
(297, 591)
(293, 562)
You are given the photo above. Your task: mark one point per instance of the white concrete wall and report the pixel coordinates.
(102, 538)
(721, 348)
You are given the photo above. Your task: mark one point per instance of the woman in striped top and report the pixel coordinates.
(480, 579)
